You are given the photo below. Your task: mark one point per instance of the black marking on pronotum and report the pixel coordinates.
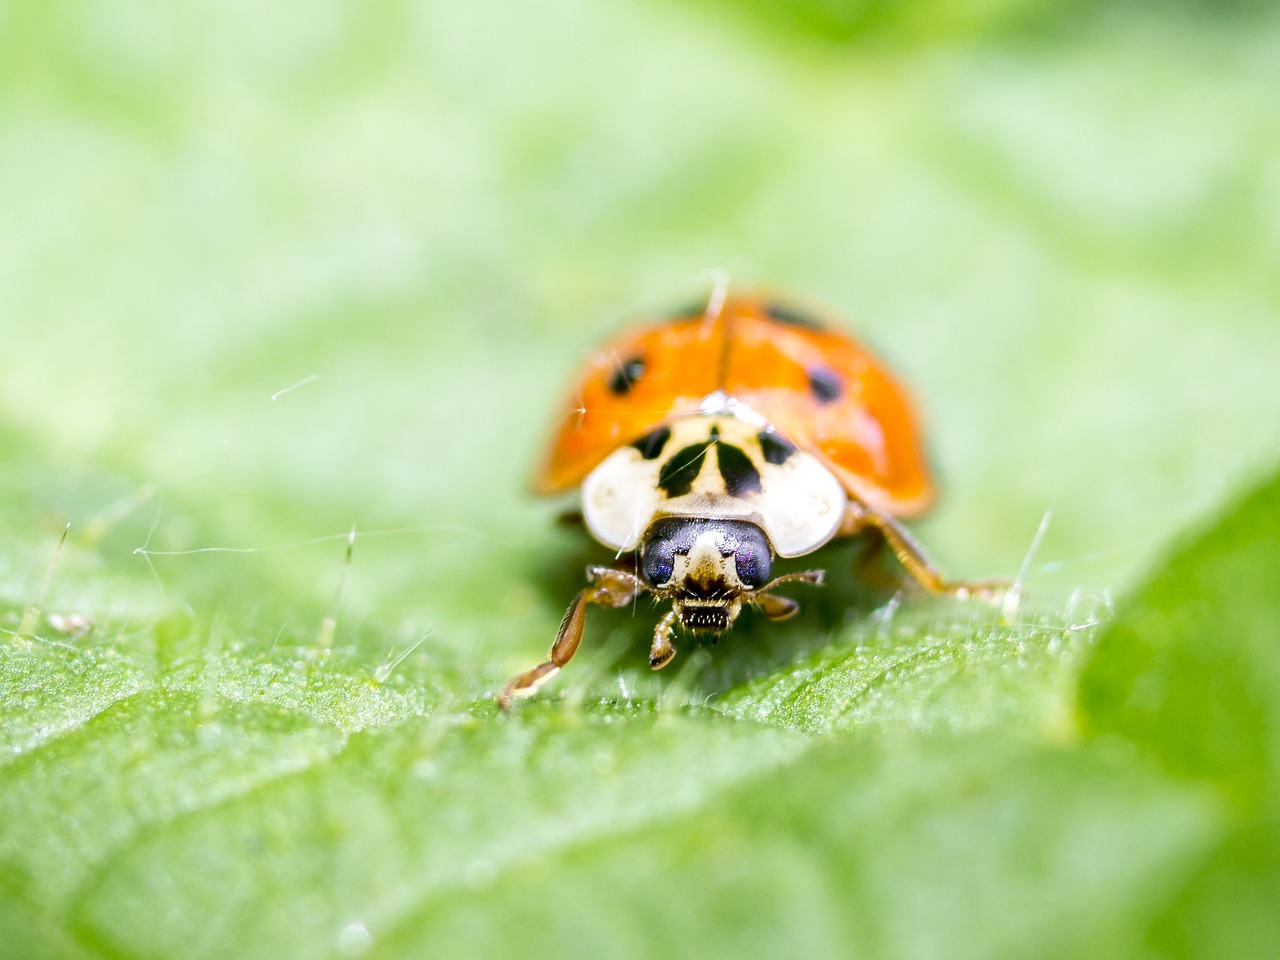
(651, 444)
(791, 316)
(626, 375)
(777, 450)
(825, 384)
(678, 474)
(738, 472)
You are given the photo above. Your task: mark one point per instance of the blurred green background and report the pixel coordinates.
(266, 274)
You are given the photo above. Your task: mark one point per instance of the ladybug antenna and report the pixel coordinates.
(712, 326)
(715, 300)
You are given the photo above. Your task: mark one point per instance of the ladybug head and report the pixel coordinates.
(707, 567)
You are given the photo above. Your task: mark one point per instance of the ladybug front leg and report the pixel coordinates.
(608, 588)
(662, 651)
(777, 607)
(917, 563)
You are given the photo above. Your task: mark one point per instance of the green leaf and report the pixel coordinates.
(845, 850)
(1190, 674)
(1190, 670)
(926, 671)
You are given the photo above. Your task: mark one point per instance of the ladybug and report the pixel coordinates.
(708, 444)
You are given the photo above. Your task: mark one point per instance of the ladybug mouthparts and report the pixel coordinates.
(705, 617)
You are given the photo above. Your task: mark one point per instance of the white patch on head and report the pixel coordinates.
(705, 563)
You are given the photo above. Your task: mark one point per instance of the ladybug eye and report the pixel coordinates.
(753, 564)
(658, 561)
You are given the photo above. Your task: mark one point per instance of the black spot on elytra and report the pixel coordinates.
(826, 384)
(625, 377)
(651, 444)
(777, 450)
(678, 473)
(740, 475)
(791, 316)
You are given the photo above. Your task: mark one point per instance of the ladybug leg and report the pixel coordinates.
(775, 607)
(608, 588)
(663, 651)
(782, 608)
(867, 565)
(917, 563)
